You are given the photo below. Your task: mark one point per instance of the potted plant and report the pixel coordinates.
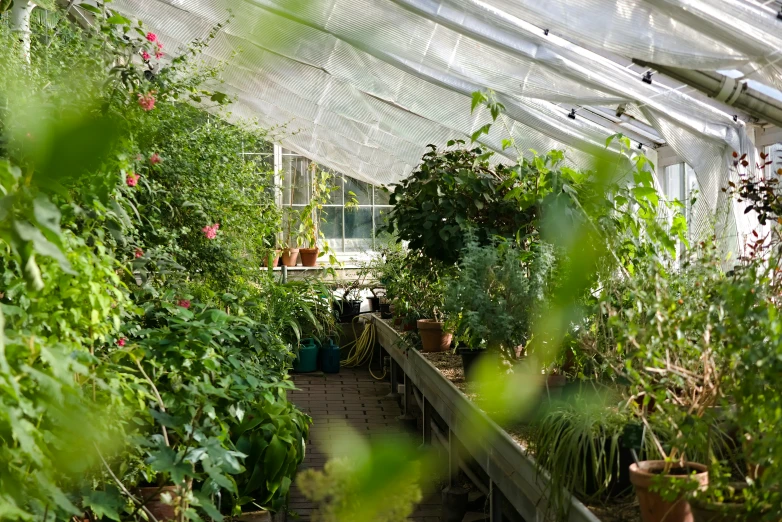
(290, 253)
(311, 216)
(586, 446)
(490, 301)
(425, 291)
(348, 305)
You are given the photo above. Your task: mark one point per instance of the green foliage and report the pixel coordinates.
(112, 373)
(455, 189)
(414, 283)
(492, 297)
(340, 491)
(579, 442)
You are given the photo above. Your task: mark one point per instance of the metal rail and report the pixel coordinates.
(510, 469)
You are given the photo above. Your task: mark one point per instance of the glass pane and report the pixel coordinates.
(381, 196)
(334, 184)
(362, 191)
(296, 180)
(358, 223)
(290, 224)
(775, 157)
(381, 219)
(673, 182)
(331, 226)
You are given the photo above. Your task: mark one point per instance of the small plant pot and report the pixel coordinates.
(409, 326)
(309, 256)
(653, 507)
(290, 256)
(275, 259)
(374, 303)
(385, 311)
(706, 511)
(470, 358)
(433, 338)
(347, 310)
(150, 497)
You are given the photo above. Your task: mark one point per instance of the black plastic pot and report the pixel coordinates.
(347, 310)
(385, 311)
(469, 359)
(374, 303)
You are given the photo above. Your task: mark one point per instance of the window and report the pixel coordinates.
(775, 156)
(357, 210)
(680, 183)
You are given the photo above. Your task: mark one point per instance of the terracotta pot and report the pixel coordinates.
(653, 507)
(290, 256)
(309, 256)
(555, 381)
(150, 496)
(275, 259)
(432, 336)
(703, 511)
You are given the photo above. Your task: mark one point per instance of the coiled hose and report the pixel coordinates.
(360, 351)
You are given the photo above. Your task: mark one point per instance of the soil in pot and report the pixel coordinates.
(433, 338)
(150, 496)
(653, 507)
(309, 256)
(290, 256)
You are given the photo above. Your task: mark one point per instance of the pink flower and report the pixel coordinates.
(139, 253)
(132, 179)
(159, 54)
(147, 101)
(184, 303)
(145, 56)
(160, 45)
(152, 37)
(210, 232)
(120, 342)
(155, 159)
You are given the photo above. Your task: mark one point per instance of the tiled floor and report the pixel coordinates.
(350, 398)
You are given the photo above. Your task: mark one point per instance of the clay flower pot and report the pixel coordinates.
(706, 511)
(150, 496)
(275, 259)
(290, 256)
(309, 256)
(653, 507)
(432, 336)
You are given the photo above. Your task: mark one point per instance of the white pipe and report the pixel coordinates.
(726, 90)
(20, 23)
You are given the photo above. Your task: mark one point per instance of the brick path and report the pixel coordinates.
(354, 398)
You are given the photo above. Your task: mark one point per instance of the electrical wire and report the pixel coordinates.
(361, 349)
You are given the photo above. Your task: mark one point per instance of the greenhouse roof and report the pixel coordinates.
(362, 86)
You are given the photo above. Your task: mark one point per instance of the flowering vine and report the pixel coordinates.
(147, 101)
(210, 232)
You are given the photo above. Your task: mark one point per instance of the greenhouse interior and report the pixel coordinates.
(391, 260)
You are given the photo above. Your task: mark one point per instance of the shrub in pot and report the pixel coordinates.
(457, 189)
(490, 300)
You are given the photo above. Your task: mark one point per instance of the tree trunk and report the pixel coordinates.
(20, 24)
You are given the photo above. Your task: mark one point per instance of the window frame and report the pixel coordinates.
(281, 154)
